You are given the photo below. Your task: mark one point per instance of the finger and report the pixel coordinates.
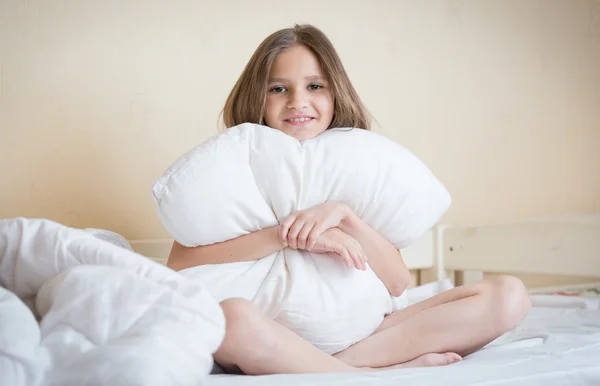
(362, 256)
(356, 253)
(303, 235)
(340, 250)
(358, 264)
(343, 253)
(292, 237)
(314, 235)
(359, 249)
(285, 228)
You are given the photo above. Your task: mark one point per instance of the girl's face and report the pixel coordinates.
(299, 101)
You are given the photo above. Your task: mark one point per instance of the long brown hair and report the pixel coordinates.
(246, 101)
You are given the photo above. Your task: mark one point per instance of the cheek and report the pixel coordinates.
(326, 105)
(271, 111)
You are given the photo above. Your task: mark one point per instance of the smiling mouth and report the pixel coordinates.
(299, 121)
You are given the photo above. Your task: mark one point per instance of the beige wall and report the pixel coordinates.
(500, 98)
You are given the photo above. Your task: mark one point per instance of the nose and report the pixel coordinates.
(298, 99)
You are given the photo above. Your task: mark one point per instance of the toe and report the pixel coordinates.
(452, 357)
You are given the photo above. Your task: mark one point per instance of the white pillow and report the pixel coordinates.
(252, 177)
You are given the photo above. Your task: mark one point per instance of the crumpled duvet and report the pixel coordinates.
(77, 310)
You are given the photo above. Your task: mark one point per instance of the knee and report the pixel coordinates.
(510, 301)
(238, 308)
(241, 317)
(245, 326)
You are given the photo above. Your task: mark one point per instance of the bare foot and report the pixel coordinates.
(425, 360)
(432, 359)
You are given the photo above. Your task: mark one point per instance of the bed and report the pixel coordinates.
(557, 344)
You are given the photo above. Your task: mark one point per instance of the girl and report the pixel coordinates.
(295, 82)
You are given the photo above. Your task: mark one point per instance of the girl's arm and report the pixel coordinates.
(384, 259)
(255, 246)
(250, 247)
(302, 228)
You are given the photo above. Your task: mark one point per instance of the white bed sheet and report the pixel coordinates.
(558, 343)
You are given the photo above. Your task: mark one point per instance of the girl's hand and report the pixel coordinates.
(301, 229)
(343, 245)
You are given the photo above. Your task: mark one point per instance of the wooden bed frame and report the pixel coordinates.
(551, 246)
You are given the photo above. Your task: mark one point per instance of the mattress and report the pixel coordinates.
(558, 343)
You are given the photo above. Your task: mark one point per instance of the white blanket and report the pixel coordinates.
(107, 316)
(252, 177)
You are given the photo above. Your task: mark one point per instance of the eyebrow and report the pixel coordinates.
(282, 80)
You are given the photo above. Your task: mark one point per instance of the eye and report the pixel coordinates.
(314, 86)
(278, 89)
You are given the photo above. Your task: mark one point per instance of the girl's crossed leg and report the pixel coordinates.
(432, 332)
(461, 320)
